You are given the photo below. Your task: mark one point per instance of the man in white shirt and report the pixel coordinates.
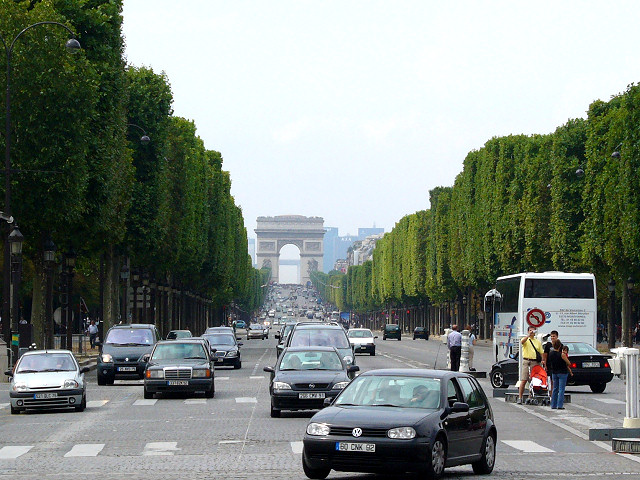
(454, 343)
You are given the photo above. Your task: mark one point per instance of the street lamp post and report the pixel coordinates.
(49, 249)
(72, 45)
(15, 246)
(145, 289)
(69, 263)
(627, 326)
(124, 277)
(144, 139)
(611, 328)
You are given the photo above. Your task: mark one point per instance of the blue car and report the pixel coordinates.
(241, 324)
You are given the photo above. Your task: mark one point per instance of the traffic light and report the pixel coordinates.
(408, 311)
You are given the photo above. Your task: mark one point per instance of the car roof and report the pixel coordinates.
(40, 352)
(182, 340)
(135, 325)
(310, 349)
(358, 329)
(416, 372)
(180, 331)
(310, 325)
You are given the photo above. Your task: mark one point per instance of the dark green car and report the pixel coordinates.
(392, 330)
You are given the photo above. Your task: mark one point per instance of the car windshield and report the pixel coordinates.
(177, 351)
(46, 362)
(392, 327)
(360, 333)
(581, 349)
(221, 339)
(178, 334)
(128, 336)
(311, 360)
(393, 391)
(255, 326)
(319, 337)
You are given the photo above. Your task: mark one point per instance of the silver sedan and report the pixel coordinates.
(47, 379)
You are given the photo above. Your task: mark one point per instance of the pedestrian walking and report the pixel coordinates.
(472, 342)
(92, 329)
(561, 367)
(454, 343)
(531, 350)
(553, 336)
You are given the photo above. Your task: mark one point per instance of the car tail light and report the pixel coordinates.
(606, 364)
(574, 365)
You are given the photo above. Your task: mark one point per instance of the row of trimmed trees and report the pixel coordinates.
(558, 201)
(84, 179)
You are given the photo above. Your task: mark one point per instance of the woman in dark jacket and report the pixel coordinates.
(561, 367)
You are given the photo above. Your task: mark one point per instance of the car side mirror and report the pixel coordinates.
(240, 344)
(353, 368)
(238, 338)
(84, 369)
(375, 336)
(145, 358)
(8, 373)
(268, 369)
(213, 350)
(327, 402)
(459, 407)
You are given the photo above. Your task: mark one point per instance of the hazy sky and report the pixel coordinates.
(354, 110)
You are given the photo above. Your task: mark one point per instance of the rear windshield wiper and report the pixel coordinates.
(195, 358)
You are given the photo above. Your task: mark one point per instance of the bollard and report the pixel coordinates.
(464, 357)
(632, 418)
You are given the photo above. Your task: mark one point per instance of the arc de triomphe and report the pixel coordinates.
(307, 233)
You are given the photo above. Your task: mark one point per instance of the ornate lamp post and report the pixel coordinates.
(124, 278)
(15, 247)
(145, 289)
(68, 265)
(627, 326)
(49, 257)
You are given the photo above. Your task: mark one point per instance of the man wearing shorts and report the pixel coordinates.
(529, 345)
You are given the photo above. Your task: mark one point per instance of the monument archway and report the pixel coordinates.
(306, 233)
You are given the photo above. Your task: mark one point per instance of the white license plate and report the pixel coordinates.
(178, 382)
(126, 369)
(310, 395)
(590, 364)
(355, 447)
(40, 396)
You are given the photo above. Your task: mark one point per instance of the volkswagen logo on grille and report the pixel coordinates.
(356, 432)
(312, 385)
(126, 359)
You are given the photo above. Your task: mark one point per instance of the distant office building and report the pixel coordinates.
(252, 250)
(337, 247)
(341, 265)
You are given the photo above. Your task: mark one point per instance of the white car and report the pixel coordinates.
(363, 340)
(47, 379)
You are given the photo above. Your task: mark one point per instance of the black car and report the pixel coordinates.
(305, 376)
(403, 420)
(225, 348)
(421, 332)
(121, 354)
(319, 334)
(282, 335)
(391, 330)
(589, 367)
(183, 365)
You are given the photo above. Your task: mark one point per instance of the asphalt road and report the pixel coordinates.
(122, 436)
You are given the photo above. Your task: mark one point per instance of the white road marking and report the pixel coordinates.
(4, 405)
(85, 450)
(527, 446)
(246, 400)
(611, 401)
(296, 447)
(222, 378)
(160, 448)
(145, 402)
(195, 401)
(9, 452)
(96, 403)
(257, 377)
(225, 442)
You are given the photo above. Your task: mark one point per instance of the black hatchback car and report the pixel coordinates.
(403, 420)
(121, 354)
(305, 376)
(589, 367)
(421, 332)
(182, 366)
(225, 348)
(391, 330)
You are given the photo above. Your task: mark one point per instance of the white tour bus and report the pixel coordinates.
(560, 301)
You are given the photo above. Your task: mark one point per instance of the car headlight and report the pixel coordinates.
(281, 386)
(154, 374)
(232, 353)
(402, 433)
(318, 429)
(348, 359)
(70, 383)
(20, 387)
(340, 385)
(201, 373)
(106, 358)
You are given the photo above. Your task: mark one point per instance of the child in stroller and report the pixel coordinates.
(538, 388)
